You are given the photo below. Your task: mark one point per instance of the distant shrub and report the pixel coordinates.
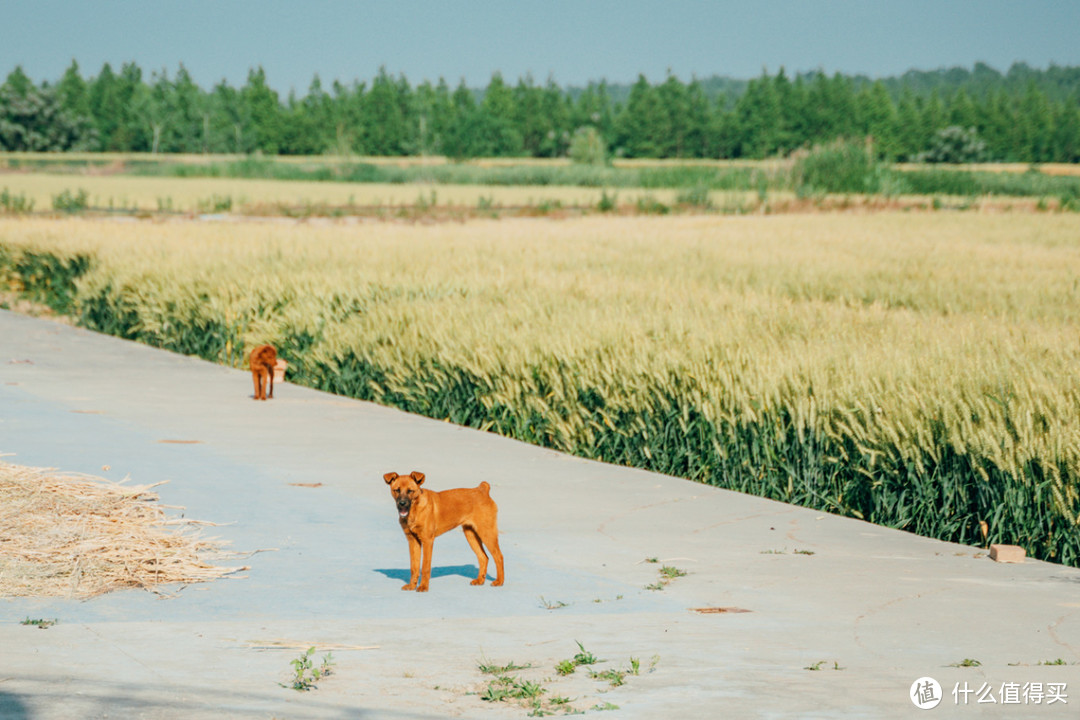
(839, 167)
(955, 144)
(68, 201)
(587, 147)
(697, 197)
(649, 205)
(11, 203)
(607, 203)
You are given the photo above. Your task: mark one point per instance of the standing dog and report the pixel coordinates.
(425, 514)
(263, 359)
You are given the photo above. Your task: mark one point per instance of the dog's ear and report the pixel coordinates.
(389, 477)
(417, 476)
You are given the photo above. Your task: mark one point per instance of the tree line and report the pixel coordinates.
(1024, 115)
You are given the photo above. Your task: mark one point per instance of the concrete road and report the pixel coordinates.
(843, 616)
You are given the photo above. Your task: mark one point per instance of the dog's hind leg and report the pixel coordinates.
(490, 539)
(481, 556)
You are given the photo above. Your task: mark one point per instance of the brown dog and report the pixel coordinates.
(263, 359)
(425, 514)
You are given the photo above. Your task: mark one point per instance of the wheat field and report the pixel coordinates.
(189, 195)
(921, 371)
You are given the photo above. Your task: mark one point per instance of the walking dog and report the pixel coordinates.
(263, 359)
(426, 514)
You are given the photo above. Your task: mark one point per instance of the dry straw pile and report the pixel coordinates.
(81, 536)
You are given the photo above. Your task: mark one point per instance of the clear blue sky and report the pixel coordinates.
(572, 40)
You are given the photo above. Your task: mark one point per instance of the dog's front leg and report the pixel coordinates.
(425, 577)
(414, 562)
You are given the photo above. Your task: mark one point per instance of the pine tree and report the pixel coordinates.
(758, 116)
(496, 121)
(642, 123)
(263, 107)
(72, 91)
(18, 83)
(879, 116)
(556, 108)
(528, 116)
(105, 107)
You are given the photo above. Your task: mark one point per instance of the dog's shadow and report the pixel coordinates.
(402, 574)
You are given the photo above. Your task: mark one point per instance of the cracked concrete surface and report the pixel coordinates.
(884, 606)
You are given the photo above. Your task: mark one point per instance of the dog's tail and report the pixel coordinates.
(485, 487)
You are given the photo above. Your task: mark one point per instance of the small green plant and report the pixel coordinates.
(649, 205)
(504, 687)
(761, 180)
(165, 204)
(566, 667)
(491, 669)
(39, 623)
(652, 559)
(804, 552)
(1069, 200)
(584, 657)
(1059, 661)
(966, 662)
(15, 204)
(605, 706)
(538, 709)
(671, 572)
(70, 202)
(615, 677)
(425, 202)
(607, 203)
(305, 674)
(496, 691)
(216, 203)
(548, 205)
(551, 605)
(667, 574)
(821, 663)
(635, 666)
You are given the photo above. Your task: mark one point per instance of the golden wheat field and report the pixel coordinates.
(151, 194)
(873, 358)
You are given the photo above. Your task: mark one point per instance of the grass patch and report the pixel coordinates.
(489, 668)
(306, 674)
